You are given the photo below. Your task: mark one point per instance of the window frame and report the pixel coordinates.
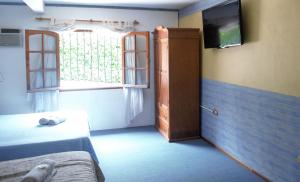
(29, 33)
(135, 51)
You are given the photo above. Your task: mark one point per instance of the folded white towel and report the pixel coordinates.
(51, 120)
(41, 173)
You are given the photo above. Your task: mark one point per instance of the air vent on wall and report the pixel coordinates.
(11, 37)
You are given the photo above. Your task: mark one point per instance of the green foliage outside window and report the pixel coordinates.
(90, 56)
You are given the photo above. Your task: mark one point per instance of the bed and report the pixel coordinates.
(21, 135)
(69, 166)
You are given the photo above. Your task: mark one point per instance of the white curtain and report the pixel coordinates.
(44, 100)
(118, 26)
(61, 25)
(134, 103)
(71, 24)
(134, 98)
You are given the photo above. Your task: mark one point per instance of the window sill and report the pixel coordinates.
(87, 89)
(67, 86)
(86, 85)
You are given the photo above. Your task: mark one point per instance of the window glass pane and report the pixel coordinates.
(141, 42)
(129, 76)
(141, 77)
(35, 42)
(49, 43)
(129, 59)
(141, 59)
(35, 61)
(50, 79)
(50, 60)
(129, 43)
(36, 80)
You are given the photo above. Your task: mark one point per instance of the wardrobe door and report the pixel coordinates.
(162, 86)
(184, 83)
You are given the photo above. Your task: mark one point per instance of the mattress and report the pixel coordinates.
(22, 136)
(70, 166)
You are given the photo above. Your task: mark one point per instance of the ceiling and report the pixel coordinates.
(159, 4)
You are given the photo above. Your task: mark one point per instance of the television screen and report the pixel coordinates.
(222, 25)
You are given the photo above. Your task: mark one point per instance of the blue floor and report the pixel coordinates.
(143, 155)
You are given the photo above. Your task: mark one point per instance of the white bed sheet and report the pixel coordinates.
(21, 129)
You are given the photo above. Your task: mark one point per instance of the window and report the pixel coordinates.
(136, 60)
(90, 59)
(42, 60)
(86, 59)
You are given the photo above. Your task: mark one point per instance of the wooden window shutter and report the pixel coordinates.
(42, 60)
(135, 60)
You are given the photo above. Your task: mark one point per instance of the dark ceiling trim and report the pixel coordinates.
(93, 6)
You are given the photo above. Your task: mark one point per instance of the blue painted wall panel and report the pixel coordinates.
(259, 128)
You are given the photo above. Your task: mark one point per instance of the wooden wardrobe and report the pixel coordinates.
(177, 74)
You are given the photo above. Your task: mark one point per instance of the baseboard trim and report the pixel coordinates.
(94, 132)
(183, 139)
(235, 159)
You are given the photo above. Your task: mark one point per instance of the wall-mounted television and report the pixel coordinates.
(222, 25)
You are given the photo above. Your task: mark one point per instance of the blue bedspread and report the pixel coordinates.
(21, 136)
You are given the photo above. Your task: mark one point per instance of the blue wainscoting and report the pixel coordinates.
(259, 128)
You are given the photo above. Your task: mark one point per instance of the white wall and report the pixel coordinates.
(105, 107)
